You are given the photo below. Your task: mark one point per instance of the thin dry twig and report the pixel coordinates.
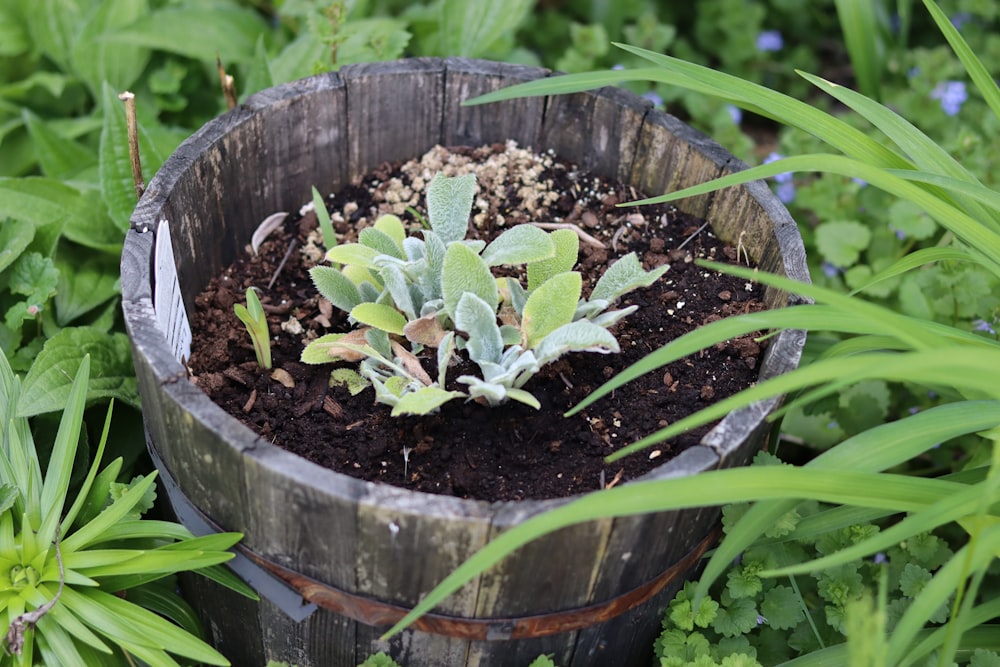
(584, 236)
(28, 620)
(284, 260)
(228, 84)
(133, 143)
(696, 232)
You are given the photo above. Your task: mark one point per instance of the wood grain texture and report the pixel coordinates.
(381, 542)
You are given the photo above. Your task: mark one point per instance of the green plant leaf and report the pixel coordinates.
(319, 206)
(96, 59)
(393, 227)
(520, 244)
(58, 156)
(15, 236)
(423, 401)
(624, 276)
(550, 306)
(33, 276)
(464, 271)
(379, 316)
(40, 201)
(469, 28)
(475, 317)
(449, 203)
(353, 253)
(85, 282)
(567, 245)
(229, 31)
(115, 167)
(47, 385)
(841, 241)
(380, 241)
(336, 287)
(579, 336)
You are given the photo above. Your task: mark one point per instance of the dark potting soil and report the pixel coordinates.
(469, 450)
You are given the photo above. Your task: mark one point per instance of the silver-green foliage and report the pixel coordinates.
(66, 560)
(438, 291)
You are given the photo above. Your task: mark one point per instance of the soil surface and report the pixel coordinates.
(469, 450)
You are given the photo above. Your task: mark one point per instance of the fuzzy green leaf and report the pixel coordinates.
(550, 306)
(580, 336)
(349, 379)
(464, 271)
(449, 203)
(624, 276)
(353, 253)
(392, 226)
(522, 396)
(841, 241)
(380, 316)
(399, 289)
(423, 401)
(567, 245)
(519, 245)
(380, 241)
(318, 350)
(475, 317)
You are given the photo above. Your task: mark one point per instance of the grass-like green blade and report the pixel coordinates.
(58, 643)
(84, 492)
(914, 260)
(952, 508)
(66, 620)
(978, 553)
(161, 599)
(92, 531)
(874, 450)
(975, 633)
(926, 154)
(973, 65)
(861, 36)
(958, 366)
(969, 229)
(55, 486)
(717, 487)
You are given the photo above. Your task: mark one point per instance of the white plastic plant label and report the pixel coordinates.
(167, 301)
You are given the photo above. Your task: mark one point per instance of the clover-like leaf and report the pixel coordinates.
(464, 271)
(423, 401)
(624, 276)
(567, 247)
(340, 290)
(550, 306)
(449, 203)
(520, 244)
(475, 317)
(379, 316)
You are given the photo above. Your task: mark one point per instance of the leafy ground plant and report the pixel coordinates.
(439, 291)
(82, 575)
(957, 364)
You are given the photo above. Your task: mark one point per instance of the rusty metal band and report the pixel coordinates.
(375, 613)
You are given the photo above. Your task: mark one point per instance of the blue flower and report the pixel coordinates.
(880, 558)
(618, 67)
(653, 97)
(983, 325)
(770, 40)
(785, 180)
(860, 181)
(952, 95)
(830, 270)
(735, 113)
(960, 19)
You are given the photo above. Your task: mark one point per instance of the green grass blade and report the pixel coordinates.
(914, 260)
(717, 487)
(962, 504)
(972, 625)
(92, 532)
(969, 229)
(861, 36)
(56, 482)
(84, 492)
(874, 450)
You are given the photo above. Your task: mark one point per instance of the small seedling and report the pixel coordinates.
(255, 320)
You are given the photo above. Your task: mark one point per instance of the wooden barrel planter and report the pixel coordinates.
(335, 559)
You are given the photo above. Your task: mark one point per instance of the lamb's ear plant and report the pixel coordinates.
(960, 366)
(412, 294)
(80, 571)
(254, 319)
